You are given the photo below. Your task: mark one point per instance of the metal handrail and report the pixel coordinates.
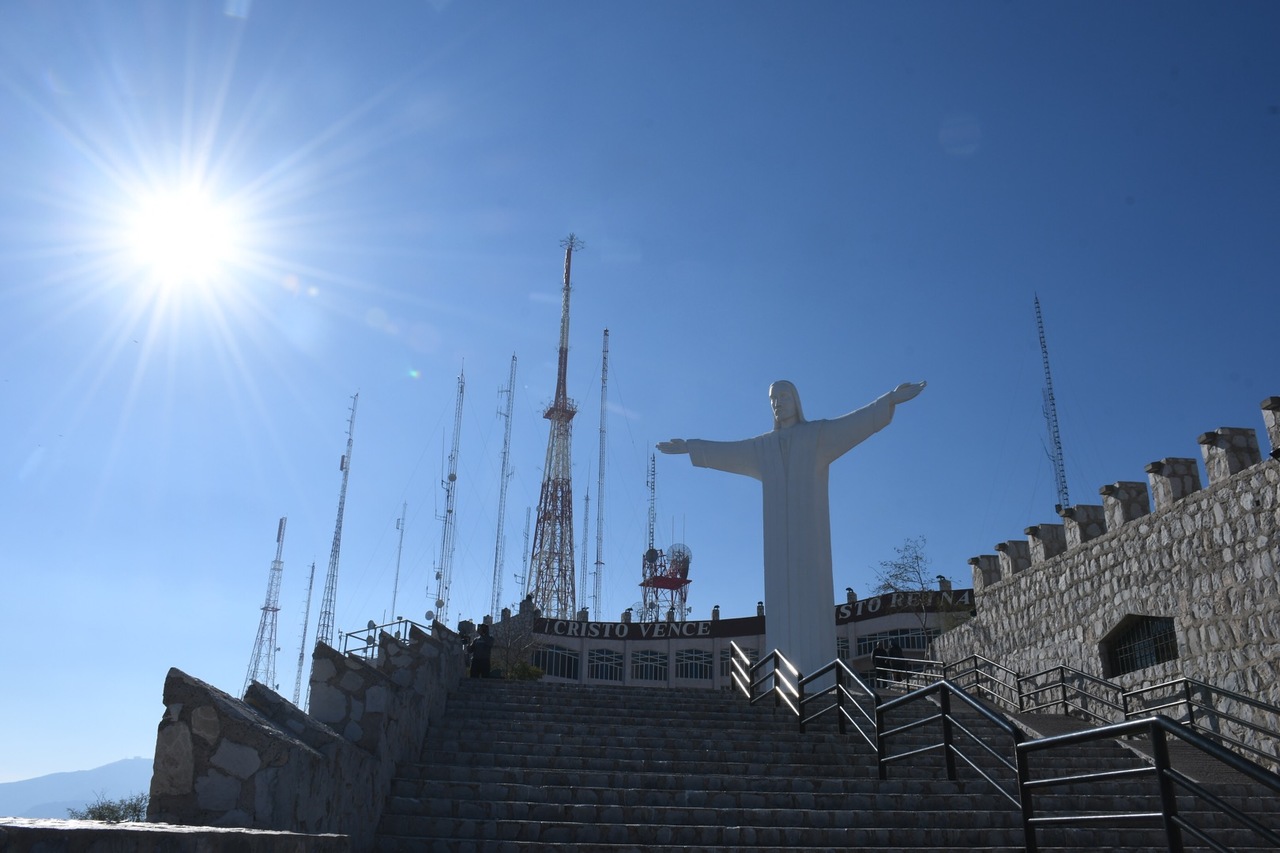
(1074, 696)
(1006, 692)
(944, 691)
(364, 642)
(1212, 714)
(1169, 781)
(844, 698)
(749, 676)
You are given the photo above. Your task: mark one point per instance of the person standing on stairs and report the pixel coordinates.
(481, 649)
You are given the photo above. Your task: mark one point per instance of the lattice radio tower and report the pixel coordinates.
(1051, 418)
(262, 664)
(324, 633)
(302, 643)
(551, 563)
(500, 546)
(444, 570)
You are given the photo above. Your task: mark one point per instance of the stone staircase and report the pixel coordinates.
(521, 766)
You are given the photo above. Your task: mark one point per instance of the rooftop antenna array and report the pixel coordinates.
(599, 573)
(552, 565)
(302, 644)
(1051, 418)
(324, 633)
(262, 663)
(444, 571)
(499, 547)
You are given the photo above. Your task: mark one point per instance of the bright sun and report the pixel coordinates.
(183, 236)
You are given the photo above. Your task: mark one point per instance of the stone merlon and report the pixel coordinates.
(1227, 451)
(1123, 502)
(1045, 541)
(1172, 479)
(1271, 417)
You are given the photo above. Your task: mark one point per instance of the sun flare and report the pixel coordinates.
(183, 236)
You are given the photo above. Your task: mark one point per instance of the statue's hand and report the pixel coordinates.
(675, 445)
(907, 391)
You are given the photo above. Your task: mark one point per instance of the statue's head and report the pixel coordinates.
(785, 401)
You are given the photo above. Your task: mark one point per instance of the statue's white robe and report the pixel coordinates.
(791, 465)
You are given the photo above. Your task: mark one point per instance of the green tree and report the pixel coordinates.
(130, 809)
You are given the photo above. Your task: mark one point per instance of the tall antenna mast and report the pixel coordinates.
(651, 483)
(604, 384)
(444, 572)
(1051, 417)
(302, 644)
(499, 547)
(525, 578)
(395, 588)
(586, 534)
(324, 633)
(552, 560)
(262, 664)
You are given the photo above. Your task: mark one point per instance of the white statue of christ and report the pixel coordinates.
(791, 463)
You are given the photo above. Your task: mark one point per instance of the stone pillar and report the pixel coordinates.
(1123, 502)
(1045, 541)
(1083, 522)
(1172, 480)
(986, 571)
(1227, 451)
(1015, 557)
(1271, 417)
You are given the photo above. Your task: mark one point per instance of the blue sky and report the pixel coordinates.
(847, 195)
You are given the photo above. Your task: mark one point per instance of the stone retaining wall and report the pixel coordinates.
(261, 762)
(1206, 557)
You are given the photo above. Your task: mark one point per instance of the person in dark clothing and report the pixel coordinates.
(895, 661)
(877, 663)
(481, 649)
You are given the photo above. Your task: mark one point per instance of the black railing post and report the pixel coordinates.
(1168, 796)
(1024, 797)
(1191, 708)
(944, 696)
(840, 699)
(800, 700)
(881, 747)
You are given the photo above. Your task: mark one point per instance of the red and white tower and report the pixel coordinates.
(551, 562)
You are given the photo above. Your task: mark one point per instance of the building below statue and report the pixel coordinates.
(696, 653)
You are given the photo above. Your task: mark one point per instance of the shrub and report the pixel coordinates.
(131, 809)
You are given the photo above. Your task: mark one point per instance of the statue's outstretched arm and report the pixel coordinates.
(675, 445)
(906, 391)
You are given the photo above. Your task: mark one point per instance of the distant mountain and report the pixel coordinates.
(52, 795)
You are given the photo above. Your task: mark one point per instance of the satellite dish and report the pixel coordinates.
(452, 477)
(431, 617)
(372, 624)
(439, 603)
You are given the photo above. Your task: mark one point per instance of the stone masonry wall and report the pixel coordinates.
(262, 763)
(1207, 557)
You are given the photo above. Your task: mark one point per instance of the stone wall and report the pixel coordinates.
(1205, 557)
(262, 763)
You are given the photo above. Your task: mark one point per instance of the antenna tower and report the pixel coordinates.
(444, 571)
(324, 633)
(395, 588)
(552, 559)
(302, 644)
(524, 579)
(604, 380)
(1051, 418)
(663, 577)
(499, 547)
(262, 664)
(586, 534)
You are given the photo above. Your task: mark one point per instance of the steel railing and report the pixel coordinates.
(857, 703)
(364, 642)
(1206, 709)
(1169, 782)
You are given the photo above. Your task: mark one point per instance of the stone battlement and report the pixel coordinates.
(1195, 565)
(263, 763)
